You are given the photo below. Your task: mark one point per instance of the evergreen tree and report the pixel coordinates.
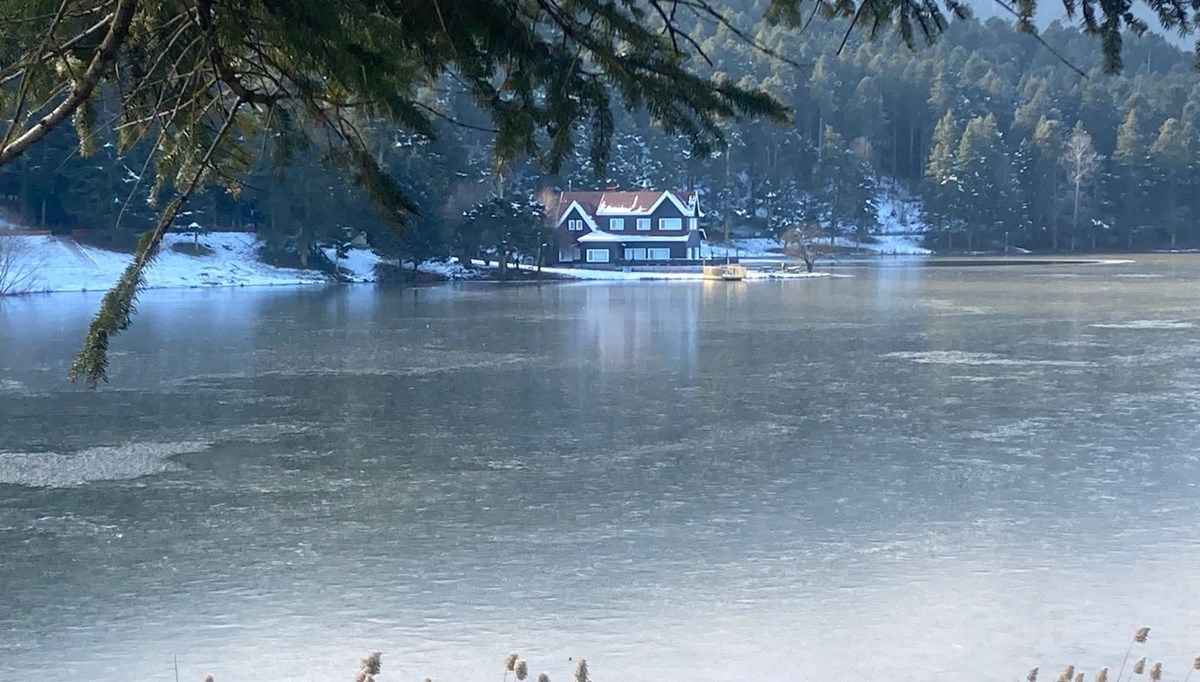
(1171, 158)
(1044, 185)
(864, 191)
(503, 228)
(943, 187)
(836, 179)
(985, 172)
(1130, 177)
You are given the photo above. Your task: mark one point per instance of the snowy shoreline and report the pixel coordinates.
(50, 264)
(47, 264)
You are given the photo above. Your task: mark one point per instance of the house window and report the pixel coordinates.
(566, 254)
(635, 254)
(659, 254)
(643, 223)
(670, 223)
(616, 224)
(597, 255)
(693, 224)
(574, 225)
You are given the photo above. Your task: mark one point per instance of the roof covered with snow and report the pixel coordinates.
(614, 203)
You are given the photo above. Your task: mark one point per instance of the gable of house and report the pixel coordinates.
(601, 207)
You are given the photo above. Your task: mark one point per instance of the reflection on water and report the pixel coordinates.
(905, 474)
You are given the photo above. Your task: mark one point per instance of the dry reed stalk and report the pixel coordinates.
(208, 678)
(1195, 667)
(1140, 666)
(369, 667)
(1067, 674)
(543, 677)
(1032, 676)
(510, 662)
(521, 669)
(1156, 672)
(1139, 637)
(1078, 677)
(1102, 674)
(581, 671)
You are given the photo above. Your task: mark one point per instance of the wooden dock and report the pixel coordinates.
(726, 273)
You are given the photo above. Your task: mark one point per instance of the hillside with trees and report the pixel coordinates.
(1001, 139)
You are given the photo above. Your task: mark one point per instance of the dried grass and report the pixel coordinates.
(581, 671)
(369, 667)
(1155, 672)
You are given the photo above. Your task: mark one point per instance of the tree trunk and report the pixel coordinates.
(1054, 213)
(1075, 214)
(728, 192)
(913, 147)
(895, 148)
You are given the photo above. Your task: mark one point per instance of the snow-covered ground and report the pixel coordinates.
(449, 269)
(897, 214)
(53, 264)
(887, 245)
(899, 232)
(358, 265)
(61, 264)
(766, 248)
(756, 247)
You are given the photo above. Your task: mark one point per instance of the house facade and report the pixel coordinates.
(612, 228)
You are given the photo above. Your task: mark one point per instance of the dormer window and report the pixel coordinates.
(643, 224)
(574, 225)
(616, 224)
(670, 223)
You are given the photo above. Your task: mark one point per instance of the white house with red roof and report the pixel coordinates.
(627, 228)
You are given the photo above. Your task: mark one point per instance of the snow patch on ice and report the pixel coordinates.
(111, 463)
(1145, 324)
(955, 357)
(1003, 433)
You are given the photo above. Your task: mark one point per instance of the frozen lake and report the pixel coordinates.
(908, 474)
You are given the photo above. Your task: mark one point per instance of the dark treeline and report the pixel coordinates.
(1000, 140)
